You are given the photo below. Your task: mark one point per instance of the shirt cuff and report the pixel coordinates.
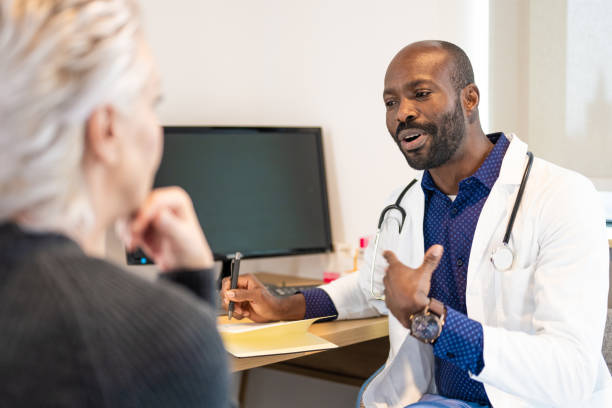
(461, 342)
(319, 304)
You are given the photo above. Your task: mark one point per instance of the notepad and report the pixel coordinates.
(263, 339)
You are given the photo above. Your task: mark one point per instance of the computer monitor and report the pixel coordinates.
(260, 191)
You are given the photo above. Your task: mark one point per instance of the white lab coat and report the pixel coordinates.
(543, 320)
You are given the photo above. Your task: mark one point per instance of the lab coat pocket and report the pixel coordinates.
(516, 303)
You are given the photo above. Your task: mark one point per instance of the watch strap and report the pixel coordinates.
(436, 307)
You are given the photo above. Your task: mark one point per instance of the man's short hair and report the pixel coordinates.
(461, 74)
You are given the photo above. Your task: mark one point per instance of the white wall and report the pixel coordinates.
(310, 63)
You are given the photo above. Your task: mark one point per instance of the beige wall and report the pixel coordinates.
(551, 80)
(509, 67)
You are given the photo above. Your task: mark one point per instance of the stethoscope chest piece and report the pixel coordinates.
(502, 257)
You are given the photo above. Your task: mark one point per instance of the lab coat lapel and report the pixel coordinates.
(411, 250)
(417, 248)
(408, 372)
(492, 223)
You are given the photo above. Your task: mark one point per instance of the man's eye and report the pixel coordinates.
(389, 103)
(423, 94)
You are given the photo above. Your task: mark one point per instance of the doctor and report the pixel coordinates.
(525, 331)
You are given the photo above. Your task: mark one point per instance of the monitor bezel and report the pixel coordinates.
(323, 180)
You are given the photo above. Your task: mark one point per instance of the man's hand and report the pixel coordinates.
(407, 289)
(252, 299)
(167, 229)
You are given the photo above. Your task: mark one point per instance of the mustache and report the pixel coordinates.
(426, 127)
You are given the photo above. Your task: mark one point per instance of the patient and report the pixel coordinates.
(79, 146)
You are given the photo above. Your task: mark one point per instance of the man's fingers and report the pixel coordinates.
(225, 284)
(248, 281)
(238, 309)
(237, 316)
(432, 258)
(390, 257)
(242, 295)
(244, 282)
(243, 291)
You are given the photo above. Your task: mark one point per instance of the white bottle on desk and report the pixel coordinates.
(360, 253)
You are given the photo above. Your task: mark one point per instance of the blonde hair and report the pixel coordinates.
(59, 60)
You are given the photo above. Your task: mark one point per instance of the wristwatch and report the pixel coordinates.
(426, 326)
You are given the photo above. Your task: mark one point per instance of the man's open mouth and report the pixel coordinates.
(411, 137)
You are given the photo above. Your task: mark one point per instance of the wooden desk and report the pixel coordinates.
(342, 333)
(363, 346)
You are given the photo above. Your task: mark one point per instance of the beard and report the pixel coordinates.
(445, 139)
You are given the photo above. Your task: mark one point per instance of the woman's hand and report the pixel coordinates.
(167, 229)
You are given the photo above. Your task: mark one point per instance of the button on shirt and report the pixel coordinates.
(451, 223)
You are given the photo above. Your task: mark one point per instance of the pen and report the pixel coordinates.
(235, 271)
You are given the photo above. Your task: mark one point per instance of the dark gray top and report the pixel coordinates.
(77, 331)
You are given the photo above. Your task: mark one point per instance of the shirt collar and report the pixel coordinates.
(488, 172)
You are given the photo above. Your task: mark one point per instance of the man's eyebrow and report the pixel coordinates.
(412, 84)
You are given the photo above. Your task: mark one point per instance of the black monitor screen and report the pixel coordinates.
(260, 191)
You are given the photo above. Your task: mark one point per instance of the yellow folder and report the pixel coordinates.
(247, 339)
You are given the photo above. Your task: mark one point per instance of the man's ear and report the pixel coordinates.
(102, 143)
(471, 98)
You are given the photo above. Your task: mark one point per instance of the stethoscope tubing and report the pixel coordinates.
(381, 219)
(519, 198)
(397, 207)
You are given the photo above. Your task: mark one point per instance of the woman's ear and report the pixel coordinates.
(101, 139)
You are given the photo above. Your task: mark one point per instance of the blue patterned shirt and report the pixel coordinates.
(450, 223)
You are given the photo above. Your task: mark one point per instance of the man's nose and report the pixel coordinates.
(406, 112)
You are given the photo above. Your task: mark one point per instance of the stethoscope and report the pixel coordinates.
(502, 257)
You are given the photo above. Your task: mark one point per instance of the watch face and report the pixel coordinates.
(425, 327)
